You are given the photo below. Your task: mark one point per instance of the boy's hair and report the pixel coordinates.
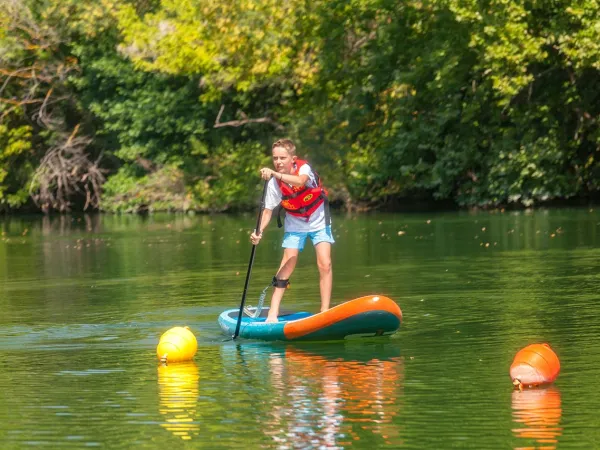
(287, 144)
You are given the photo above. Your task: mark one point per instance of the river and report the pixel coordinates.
(84, 300)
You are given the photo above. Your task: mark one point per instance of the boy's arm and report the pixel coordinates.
(266, 218)
(264, 221)
(294, 180)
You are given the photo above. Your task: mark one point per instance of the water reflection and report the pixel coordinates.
(178, 394)
(537, 413)
(332, 399)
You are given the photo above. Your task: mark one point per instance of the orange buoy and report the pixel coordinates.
(534, 365)
(177, 344)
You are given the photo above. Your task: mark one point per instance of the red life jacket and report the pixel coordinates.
(302, 201)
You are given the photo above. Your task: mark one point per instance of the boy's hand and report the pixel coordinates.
(255, 238)
(266, 173)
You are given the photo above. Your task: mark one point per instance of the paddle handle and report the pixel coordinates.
(252, 252)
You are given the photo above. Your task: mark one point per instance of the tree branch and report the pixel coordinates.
(65, 171)
(246, 120)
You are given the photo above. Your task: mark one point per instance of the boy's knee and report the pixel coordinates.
(324, 266)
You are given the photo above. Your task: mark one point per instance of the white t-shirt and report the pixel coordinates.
(292, 223)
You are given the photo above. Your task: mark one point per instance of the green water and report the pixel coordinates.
(84, 300)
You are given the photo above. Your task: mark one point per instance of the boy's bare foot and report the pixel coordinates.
(271, 319)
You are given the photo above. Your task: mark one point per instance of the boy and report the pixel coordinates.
(297, 188)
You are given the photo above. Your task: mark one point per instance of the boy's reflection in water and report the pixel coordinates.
(329, 403)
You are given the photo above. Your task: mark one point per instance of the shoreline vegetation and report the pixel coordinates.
(140, 106)
(404, 206)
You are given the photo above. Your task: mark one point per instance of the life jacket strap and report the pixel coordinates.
(295, 194)
(279, 208)
(327, 213)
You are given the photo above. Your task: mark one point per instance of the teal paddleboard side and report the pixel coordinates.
(365, 324)
(257, 328)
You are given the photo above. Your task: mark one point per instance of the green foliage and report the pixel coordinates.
(480, 103)
(162, 190)
(243, 44)
(15, 147)
(140, 114)
(228, 178)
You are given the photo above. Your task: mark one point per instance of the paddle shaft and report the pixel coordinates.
(257, 229)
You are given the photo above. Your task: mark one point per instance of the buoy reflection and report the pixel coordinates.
(537, 414)
(178, 394)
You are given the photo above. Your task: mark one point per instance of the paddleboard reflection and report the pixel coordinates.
(332, 395)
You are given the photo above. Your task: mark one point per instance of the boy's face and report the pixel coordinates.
(282, 161)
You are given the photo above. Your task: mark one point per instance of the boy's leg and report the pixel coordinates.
(323, 250)
(288, 264)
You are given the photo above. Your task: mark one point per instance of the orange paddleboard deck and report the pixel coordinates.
(369, 316)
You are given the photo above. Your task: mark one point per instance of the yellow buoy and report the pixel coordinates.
(177, 344)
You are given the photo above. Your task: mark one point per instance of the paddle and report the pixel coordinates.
(260, 211)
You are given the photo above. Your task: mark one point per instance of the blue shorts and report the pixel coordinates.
(295, 239)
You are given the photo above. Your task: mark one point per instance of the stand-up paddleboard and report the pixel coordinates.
(370, 316)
